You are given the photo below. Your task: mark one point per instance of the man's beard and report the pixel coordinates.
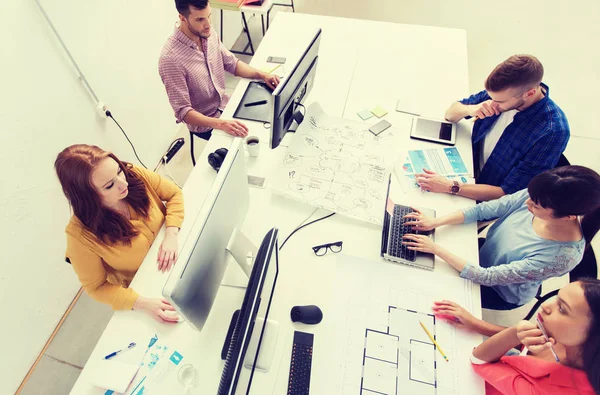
(199, 34)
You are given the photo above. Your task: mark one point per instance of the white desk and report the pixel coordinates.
(361, 64)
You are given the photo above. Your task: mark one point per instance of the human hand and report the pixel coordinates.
(420, 221)
(234, 128)
(455, 315)
(433, 182)
(271, 80)
(167, 253)
(533, 338)
(157, 309)
(486, 109)
(420, 243)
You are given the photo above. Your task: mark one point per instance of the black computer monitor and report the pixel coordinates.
(293, 90)
(249, 323)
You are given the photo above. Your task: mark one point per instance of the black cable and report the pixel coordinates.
(300, 227)
(108, 114)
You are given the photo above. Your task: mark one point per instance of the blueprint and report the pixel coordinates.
(337, 164)
(384, 350)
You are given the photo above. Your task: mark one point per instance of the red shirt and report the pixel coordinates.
(525, 375)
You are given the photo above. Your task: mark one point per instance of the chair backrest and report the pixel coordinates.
(588, 267)
(562, 161)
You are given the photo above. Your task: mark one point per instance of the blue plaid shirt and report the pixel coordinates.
(530, 145)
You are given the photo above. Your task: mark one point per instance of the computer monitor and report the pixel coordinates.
(194, 281)
(251, 332)
(293, 90)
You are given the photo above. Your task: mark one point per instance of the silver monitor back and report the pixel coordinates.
(194, 280)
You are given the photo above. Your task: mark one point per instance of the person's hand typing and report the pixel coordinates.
(420, 221)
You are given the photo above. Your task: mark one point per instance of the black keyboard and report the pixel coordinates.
(399, 228)
(299, 380)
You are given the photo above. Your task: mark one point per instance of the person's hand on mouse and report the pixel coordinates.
(433, 182)
(234, 128)
(159, 309)
(420, 221)
(455, 315)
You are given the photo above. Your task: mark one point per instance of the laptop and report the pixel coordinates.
(394, 228)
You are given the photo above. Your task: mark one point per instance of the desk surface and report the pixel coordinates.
(362, 64)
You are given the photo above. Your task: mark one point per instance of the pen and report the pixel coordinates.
(274, 68)
(255, 103)
(539, 321)
(434, 342)
(112, 354)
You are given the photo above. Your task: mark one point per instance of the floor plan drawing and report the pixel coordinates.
(338, 165)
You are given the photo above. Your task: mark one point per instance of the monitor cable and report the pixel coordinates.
(303, 226)
(109, 114)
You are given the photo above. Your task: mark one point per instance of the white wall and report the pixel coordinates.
(562, 34)
(43, 109)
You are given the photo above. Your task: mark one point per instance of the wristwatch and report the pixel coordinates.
(455, 188)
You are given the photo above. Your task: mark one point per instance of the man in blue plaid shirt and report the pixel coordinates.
(519, 132)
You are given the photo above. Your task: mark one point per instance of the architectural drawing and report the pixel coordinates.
(338, 165)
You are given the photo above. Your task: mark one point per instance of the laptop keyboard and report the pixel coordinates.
(399, 228)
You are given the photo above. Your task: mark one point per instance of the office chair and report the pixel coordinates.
(199, 135)
(588, 267)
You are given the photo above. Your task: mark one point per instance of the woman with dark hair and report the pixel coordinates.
(118, 210)
(572, 323)
(540, 232)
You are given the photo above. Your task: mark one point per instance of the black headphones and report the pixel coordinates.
(215, 159)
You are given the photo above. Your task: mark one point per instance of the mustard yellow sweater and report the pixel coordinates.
(106, 270)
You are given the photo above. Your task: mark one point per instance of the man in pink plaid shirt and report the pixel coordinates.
(192, 66)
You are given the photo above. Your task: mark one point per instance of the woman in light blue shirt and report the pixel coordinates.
(538, 234)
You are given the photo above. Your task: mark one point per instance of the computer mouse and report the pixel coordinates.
(306, 314)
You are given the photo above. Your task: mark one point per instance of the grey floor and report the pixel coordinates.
(61, 364)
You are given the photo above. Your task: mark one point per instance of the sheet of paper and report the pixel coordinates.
(112, 375)
(338, 165)
(444, 161)
(377, 309)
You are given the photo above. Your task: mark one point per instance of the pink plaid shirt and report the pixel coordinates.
(195, 77)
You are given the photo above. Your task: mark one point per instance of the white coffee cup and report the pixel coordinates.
(253, 145)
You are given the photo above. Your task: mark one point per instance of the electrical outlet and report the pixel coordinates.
(101, 109)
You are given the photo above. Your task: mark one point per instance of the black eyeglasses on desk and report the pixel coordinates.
(333, 247)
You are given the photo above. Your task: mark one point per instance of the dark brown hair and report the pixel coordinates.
(570, 190)
(183, 6)
(518, 71)
(74, 167)
(591, 347)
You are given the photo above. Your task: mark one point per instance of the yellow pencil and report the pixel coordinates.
(434, 342)
(274, 68)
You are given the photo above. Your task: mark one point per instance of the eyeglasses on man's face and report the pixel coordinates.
(321, 250)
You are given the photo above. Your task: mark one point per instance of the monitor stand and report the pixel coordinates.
(243, 251)
(267, 345)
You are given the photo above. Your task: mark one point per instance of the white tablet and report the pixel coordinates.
(442, 132)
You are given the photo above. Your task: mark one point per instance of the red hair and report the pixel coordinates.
(74, 167)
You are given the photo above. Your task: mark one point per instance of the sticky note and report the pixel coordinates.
(365, 114)
(379, 112)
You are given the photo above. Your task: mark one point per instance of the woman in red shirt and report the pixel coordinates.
(572, 323)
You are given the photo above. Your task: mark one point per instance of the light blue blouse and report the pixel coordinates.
(514, 260)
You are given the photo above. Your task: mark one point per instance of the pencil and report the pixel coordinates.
(434, 342)
(274, 68)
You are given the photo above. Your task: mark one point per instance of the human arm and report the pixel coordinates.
(173, 76)
(460, 318)
(477, 105)
(433, 182)
(170, 193)
(156, 308)
(246, 71)
(93, 275)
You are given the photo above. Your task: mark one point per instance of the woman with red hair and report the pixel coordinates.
(118, 210)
